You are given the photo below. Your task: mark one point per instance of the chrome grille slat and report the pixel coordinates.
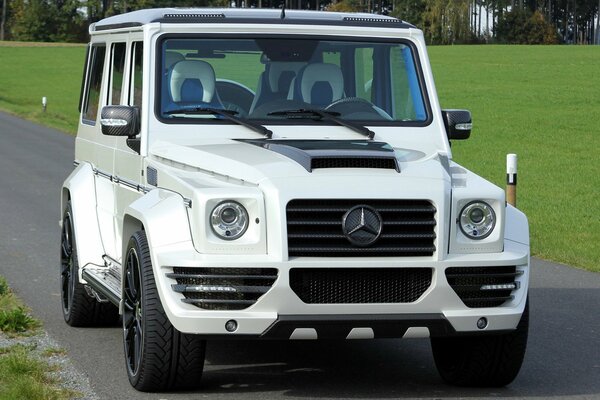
(382, 209)
(245, 303)
(315, 228)
(489, 299)
(364, 249)
(205, 276)
(383, 236)
(491, 275)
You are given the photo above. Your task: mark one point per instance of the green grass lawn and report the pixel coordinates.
(541, 102)
(25, 372)
(28, 73)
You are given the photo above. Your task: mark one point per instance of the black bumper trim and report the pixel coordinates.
(339, 326)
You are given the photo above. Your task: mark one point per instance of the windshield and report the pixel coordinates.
(263, 79)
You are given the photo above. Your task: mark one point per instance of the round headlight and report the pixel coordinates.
(229, 220)
(477, 220)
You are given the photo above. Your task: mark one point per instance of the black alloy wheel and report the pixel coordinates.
(67, 263)
(158, 356)
(132, 312)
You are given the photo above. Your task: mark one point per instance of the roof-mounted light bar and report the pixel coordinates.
(378, 20)
(194, 16)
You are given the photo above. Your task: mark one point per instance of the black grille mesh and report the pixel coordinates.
(222, 288)
(315, 228)
(359, 286)
(332, 162)
(467, 283)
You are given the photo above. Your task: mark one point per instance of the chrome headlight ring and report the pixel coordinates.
(229, 220)
(477, 220)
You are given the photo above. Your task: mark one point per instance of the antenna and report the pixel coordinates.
(282, 10)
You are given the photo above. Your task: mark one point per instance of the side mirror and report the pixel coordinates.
(458, 124)
(120, 121)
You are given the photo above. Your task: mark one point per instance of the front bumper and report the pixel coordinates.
(281, 314)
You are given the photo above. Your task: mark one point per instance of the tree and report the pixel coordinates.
(521, 26)
(46, 21)
(3, 21)
(447, 21)
(346, 6)
(410, 10)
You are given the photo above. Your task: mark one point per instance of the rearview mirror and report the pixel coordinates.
(458, 124)
(120, 121)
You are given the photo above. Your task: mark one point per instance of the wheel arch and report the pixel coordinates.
(516, 227)
(164, 218)
(162, 214)
(79, 188)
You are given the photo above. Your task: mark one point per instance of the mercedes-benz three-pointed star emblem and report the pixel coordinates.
(362, 225)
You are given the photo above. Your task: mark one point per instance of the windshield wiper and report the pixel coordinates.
(328, 115)
(227, 114)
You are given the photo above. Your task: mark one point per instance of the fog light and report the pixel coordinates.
(232, 325)
(482, 322)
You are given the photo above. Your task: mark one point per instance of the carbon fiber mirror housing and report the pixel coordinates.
(458, 124)
(120, 121)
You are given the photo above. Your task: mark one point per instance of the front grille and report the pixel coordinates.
(480, 287)
(222, 288)
(315, 228)
(358, 285)
(350, 162)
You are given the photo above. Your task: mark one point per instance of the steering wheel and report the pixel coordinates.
(358, 108)
(351, 105)
(263, 110)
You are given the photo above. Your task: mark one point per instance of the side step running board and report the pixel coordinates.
(105, 282)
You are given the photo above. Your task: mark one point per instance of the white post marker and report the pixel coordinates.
(44, 103)
(511, 179)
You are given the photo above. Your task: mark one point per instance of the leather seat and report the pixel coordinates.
(193, 82)
(274, 83)
(319, 84)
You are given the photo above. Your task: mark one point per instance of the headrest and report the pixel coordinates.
(281, 74)
(320, 84)
(171, 57)
(187, 72)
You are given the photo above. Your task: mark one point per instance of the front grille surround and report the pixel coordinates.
(222, 288)
(314, 228)
(483, 287)
(360, 285)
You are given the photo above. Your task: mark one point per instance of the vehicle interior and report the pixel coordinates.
(262, 78)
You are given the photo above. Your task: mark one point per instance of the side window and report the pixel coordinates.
(135, 90)
(93, 84)
(117, 70)
(363, 64)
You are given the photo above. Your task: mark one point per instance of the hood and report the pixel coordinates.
(256, 160)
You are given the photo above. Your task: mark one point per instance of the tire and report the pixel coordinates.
(157, 356)
(482, 361)
(79, 309)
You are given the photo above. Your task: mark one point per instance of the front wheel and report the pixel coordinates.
(482, 361)
(158, 357)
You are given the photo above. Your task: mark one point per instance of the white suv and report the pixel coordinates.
(282, 174)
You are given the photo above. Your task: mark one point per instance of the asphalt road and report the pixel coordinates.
(562, 360)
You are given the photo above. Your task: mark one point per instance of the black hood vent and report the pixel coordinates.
(315, 154)
(354, 162)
